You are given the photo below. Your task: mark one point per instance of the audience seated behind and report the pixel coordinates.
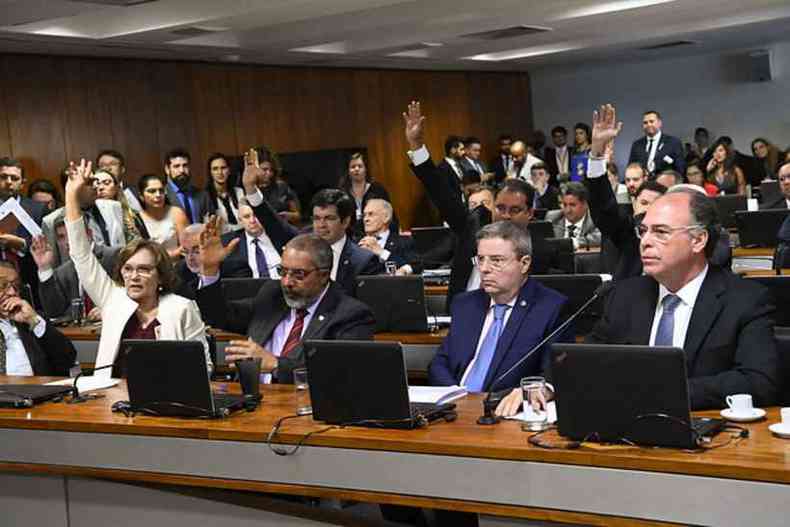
(138, 301)
(305, 303)
(223, 192)
(359, 184)
(256, 254)
(180, 191)
(382, 239)
(276, 191)
(30, 345)
(114, 162)
(546, 195)
(574, 220)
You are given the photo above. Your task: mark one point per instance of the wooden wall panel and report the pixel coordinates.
(53, 109)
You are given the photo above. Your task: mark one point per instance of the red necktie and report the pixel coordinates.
(295, 336)
(87, 302)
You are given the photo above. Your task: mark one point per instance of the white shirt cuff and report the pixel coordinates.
(40, 328)
(408, 269)
(419, 156)
(255, 198)
(596, 168)
(206, 281)
(385, 255)
(45, 275)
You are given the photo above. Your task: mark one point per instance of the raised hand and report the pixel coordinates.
(253, 174)
(212, 253)
(42, 253)
(80, 175)
(605, 128)
(413, 119)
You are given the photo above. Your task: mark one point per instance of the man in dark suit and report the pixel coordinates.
(471, 162)
(558, 157)
(574, 220)
(501, 164)
(304, 304)
(256, 255)
(450, 167)
(783, 201)
(385, 242)
(657, 151)
(180, 191)
(493, 327)
(333, 211)
(513, 202)
(30, 346)
(546, 195)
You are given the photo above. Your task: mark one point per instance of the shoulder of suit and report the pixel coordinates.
(174, 301)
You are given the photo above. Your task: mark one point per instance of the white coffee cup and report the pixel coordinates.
(785, 413)
(740, 403)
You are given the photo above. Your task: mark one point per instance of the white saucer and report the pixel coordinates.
(780, 430)
(754, 415)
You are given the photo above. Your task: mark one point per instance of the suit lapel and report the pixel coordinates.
(706, 310)
(344, 262)
(322, 314)
(266, 326)
(31, 347)
(521, 308)
(644, 310)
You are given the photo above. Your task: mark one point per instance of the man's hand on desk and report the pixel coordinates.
(243, 349)
(511, 403)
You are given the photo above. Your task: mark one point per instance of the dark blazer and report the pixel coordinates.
(536, 313)
(52, 354)
(354, 260)
(550, 160)
(200, 198)
(590, 235)
(550, 200)
(498, 168)
(402, 251)
(780, 202)
(464, 224)
(237, 265)
(729, 346)
(453, 182)
(338, 316)
(669, 146)
(57, 292)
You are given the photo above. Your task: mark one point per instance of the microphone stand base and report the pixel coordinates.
(487, 420)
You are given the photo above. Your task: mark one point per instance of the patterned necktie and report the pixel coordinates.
(3, 349)
(477, 376)
(571, 231)
(295, 335)
(260, 259)
(666, 326)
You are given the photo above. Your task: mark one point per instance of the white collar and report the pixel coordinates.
(511, 303)
(262, 237)
(337, 247)
(656, 138)
(578, 224)
(689, 292)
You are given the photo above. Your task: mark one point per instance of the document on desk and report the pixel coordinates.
(435, 394)
(551, 410)
(88, 384)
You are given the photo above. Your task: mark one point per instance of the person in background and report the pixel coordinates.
(359, 184)
(501, 164)
(696, 176)
(114, 162)
(276, 191)
(574, 220)
(223, 192)
(724, 173)
(43, 191)
(767, 156)
(546, 195)
(523, 161)
(163, 222)
(108, 187)
(621, 192)
(383, 240)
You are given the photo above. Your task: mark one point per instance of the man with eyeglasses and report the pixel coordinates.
(28, 344)
(783, 201)
(305, 303)
(513, 202)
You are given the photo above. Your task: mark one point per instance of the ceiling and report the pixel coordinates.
(414, 34)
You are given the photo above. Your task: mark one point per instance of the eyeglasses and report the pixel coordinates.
(127, 271)
(663, 233)
(497, 263)
(512, 211)
(5, 286)
(295, 274)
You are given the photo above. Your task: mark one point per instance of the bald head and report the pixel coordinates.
(519, 151)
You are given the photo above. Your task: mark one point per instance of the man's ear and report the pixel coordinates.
(526, 263)
(699, 241)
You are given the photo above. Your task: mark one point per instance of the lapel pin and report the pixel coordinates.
(320, 318)
(523, 303)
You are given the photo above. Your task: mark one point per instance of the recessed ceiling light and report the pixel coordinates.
(523, 53)
(330, 47)
(432, 44)
(601, 8)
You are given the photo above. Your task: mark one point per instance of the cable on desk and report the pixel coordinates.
(289, 452)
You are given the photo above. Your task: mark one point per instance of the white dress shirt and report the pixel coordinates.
(272, 256)
(562, 158)
(16, 359)
(486, 326)
(381, 239)
(688, 297)
(337, 249)
(283, 329)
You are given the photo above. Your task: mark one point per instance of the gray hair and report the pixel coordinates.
(319, 249)
(194, 229)
(703, 211)
(386, 205)
(508, 231)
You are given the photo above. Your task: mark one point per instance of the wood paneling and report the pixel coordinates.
(53, 109)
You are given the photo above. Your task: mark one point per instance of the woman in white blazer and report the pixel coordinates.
(138, 299)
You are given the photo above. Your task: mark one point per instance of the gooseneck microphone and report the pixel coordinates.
(489, 404)
(76, 397)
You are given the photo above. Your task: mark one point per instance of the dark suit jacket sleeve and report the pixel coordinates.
(53, 297)
(373, 265)
(218, 312)
(439, 371)
(442, 195)
(633, 157)
(678, 156)
(278, 230)
(605, 213)
(59, 350)
(755, 364)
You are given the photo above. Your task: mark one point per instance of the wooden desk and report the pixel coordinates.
(457, 465)
(752, 251)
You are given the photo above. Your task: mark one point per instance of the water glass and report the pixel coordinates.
(533, 389)
(77, 311)
(303, 405)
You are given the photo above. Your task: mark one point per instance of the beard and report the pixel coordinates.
(297, 302)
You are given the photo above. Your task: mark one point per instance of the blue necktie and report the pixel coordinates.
(477, 376)
(666, 326)
(260, 259)
(187, 206)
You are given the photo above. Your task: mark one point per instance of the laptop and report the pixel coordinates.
(769, 191)
(363, 383)
(29, 395)
(759, 228)
(170, 378)
(241, 288)
(398, 302)
(726, 206)
(616, 393)
(428, 238)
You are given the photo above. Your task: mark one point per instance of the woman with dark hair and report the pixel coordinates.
(43, 191)
(138, 300)
(223, 192)
(359, 184)
(724, 173)
(164, 223)
(696, 176)
(581, 138)
(277, 193)
(767, 156)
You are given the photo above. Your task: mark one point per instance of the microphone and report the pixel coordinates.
(76, 397)
(489, 405)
